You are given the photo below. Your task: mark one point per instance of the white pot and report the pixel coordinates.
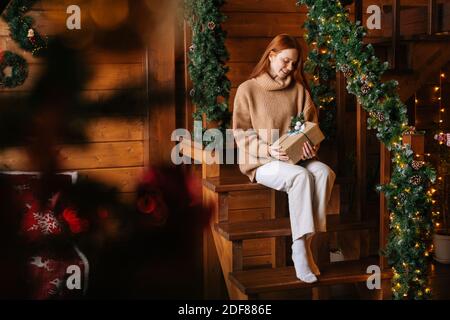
(442, 248)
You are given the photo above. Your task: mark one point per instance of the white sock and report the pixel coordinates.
(311, 262)
(300, 258)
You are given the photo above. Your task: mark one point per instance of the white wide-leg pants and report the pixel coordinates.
(308, 187)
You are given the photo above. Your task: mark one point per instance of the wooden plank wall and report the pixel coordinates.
(115, 152)
(251, 25)
(413, 17)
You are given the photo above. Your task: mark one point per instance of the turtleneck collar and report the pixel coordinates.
(268, 83)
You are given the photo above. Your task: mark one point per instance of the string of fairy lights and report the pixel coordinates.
(439, 210)
(339, 43)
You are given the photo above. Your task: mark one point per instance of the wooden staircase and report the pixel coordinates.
(422, 58)
(416, 43)
(246, 247)
(234, 223)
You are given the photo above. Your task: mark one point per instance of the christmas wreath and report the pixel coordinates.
(21, 27)
(19, 69)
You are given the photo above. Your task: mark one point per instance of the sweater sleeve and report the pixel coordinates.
(310, 110)
(310, 113)
(247, 138)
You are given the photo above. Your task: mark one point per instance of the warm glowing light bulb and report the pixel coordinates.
(436, 89)
(442, 75)
(442, 110)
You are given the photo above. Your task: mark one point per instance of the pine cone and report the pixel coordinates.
(347, 71)
(415, 180)
(365, 89)
(380, 116)
(211, 25)
(416, 165)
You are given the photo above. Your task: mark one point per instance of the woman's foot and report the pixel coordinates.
(300, 259)
(312, 264)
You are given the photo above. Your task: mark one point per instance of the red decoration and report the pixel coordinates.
(39, 222)
(443, 138)
(48, 274)
(76, 224)
(31, 36)
(147, 204)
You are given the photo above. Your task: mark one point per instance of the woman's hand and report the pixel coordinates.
(276, 152)
(309, 151)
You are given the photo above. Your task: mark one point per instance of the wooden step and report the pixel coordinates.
(282, 227)
(254, 282)
(242, 183)
(227, 184)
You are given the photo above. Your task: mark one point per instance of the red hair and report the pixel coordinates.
(279, 43)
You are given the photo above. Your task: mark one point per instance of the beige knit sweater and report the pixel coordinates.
(265, 103)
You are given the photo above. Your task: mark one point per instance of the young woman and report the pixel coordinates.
(276, 91)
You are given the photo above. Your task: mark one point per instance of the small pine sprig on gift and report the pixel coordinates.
(296, 123)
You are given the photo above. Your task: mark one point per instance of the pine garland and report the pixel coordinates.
(320, 64)
(208, 55)
(19, 69)
(408, 194)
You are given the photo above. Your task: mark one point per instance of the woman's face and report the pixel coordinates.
(283, 63)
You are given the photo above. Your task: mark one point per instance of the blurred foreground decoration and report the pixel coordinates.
(145, 249)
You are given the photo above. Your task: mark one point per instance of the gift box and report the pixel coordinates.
(292, 142)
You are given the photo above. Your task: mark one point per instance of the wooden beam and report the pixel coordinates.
(161, 79)
(395, 33)
(361, 164)
(189, 107)
(358, 10)
(432, 17)
(341, 103)
(385, 174)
